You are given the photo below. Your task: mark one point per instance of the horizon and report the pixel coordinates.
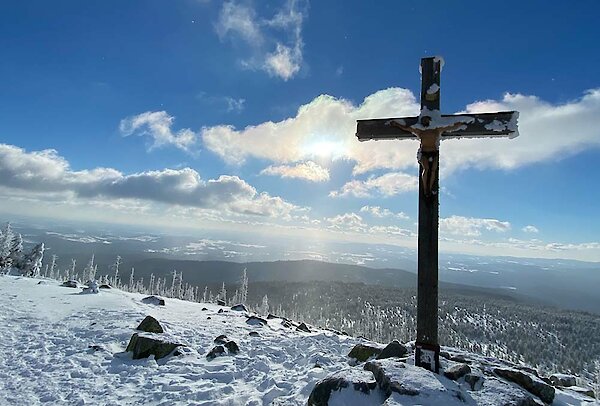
(239, 117)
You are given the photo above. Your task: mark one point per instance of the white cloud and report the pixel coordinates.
(379, 212)
(43, 172)
(548, 131)
(347, 222)
(393, 231)
(530, 229)
(470, 226)
(276, 43)
(157, 125)
(386, 185)
(306, 170)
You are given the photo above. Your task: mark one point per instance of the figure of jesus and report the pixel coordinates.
(427, 155)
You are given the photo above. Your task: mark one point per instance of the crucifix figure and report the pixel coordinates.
(431, 127)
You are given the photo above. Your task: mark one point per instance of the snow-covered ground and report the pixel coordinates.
(46, 332)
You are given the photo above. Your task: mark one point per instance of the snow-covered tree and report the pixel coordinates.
(115, 268)
(223, 293)
(6, 242)
(205, 294)
(32, 262)
(16, 250)
(264, 307)
(130, 286)
(244, 287)
(89, 272)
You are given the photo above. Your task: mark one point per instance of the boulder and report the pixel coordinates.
(346, 380)
(232, 347)
(220, 311)
(239, 308)
(286, 324)
(222, 339)
(474, 381)
(221, 302)
(154, 300)
(389, 376)
(563, 380)
(303, 327)
(256, 321)
(145, 344)
(204, 309)
(254, 334)
(457, 371)
(150, 325)
(528, 382)
(499, 392)
(393, 349)
(583, 391)
(105, 286)
(217, 351)
(362, 352)
(69, 284)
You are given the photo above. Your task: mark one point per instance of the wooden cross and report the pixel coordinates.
(430, 127)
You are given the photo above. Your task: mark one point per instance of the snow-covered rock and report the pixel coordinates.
(529, 382)
(150, 325)
(142, 345)
(154, 300)
(563, 380)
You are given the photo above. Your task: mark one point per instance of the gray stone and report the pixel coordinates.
(344, 380)
(222, 339)
(154, 300)
(150, 325)
(145, 344)
(474, 381)
(584, 391)
(254, 334)
(232, 347)
(69, 284)
(303, 327)
(220, 311)
(362, 352)
(528, 382)
(256, 321)
(105, 286)
(239, 308)
(393, 349)
(563, 380)
(457, 371)
(217, 351)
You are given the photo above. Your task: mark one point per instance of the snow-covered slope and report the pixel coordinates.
(63, 347)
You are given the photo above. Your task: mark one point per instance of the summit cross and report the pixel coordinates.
(431, 127)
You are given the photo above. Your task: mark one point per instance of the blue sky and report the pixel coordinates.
(240, 115)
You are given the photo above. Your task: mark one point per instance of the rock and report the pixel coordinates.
(584, 391)
(69, 284)
(95, 347)
(105, 286)
(444, 354)
(346, 380)
(239, 308)
(474, 381)
(303, 327)
(204, 309)
(499, 392)
(145, 344)
(362, 352)
(221, 302)
(272, 316)
(222, 339)
(232, 347)
(220, 311)
(150, 325)
(217, 351)
(286, 324)
(154, 300)
(460, 358)
(389, 377)
(254, 334)
(528, 382)
(393, 349)
(256, 321)
(42, 283)
(563, 380)
(208, 318)
(457, 371)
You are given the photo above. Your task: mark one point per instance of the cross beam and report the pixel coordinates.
(430, 127)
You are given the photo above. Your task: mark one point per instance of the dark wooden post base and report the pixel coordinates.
(428, 356)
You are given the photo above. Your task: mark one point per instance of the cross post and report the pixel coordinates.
(430, 127)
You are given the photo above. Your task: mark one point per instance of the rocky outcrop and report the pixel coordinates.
(217, 351)
(362, 352)
(528, 382)
(154, 300)
(563, 380)
(457, 371)
(232, 347)
(239, 308)
(389, 377)
(393, 349)
(256, 321)
(303, 327)
(142, 345)
(150, 325)
(354, 380)
(222, 339)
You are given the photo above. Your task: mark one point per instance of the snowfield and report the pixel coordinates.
(63, 347)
